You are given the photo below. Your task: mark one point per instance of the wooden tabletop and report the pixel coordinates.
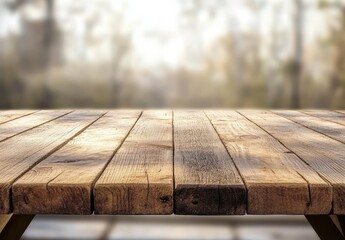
(214, 162)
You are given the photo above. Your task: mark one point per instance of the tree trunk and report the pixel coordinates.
(48, 40)
(298, 55)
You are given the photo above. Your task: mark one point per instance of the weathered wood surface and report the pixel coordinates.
(20, 153)
(331, 116)
(277, 181)
(6, 116)
(331, 129)
(139, 179)
(19, 125)
(63, 182)
(325, 155)
(206, 179)
(162, 161)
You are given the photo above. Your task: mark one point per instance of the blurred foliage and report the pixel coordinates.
(234, 73)
(11, 86)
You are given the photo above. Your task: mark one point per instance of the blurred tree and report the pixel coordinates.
(275, 88)
(337, 84)
(11, 86)
(336, 90)
(228, 54)
(297, 64)
(122, 41)
(257, 79)
(48, 41)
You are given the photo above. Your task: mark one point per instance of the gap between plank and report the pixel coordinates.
(20, 116)
(301, 124)
(302, 111)
(35, 126)
(311, 130)
(339, 111)
(245, 185)
(50, 153)
(107, 163)
(294, 154)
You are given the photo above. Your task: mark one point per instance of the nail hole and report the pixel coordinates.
(164, 199)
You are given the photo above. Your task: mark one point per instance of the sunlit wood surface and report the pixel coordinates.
(195, 162)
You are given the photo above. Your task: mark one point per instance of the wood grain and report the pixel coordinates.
(19, 125)
(206, 179)
(9, 115)
(216, 162)
(337, 117)
(277, 181)
(323, 154)
(139, 179)
(20, 153)
(63, 182)
(331, 129)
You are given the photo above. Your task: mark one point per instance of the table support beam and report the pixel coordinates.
(328, 226)
(13, 226)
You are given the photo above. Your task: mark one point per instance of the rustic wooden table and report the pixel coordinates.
(190, 162)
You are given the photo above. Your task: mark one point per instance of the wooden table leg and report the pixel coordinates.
(340, 222)
(13, 226)
(328, 226)
(110, 226)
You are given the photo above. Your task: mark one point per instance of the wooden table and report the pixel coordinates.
(190, 162)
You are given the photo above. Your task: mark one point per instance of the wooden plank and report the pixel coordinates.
(9, 115)
(330, 129)
(4, 219)
(339, 221)
(325, 227)
(19, 125)
(18, 154)
(206, 179)
(139, 179)
(13, 226)
(277, 181)
(63, 182)
(336, 117)
(323, 154)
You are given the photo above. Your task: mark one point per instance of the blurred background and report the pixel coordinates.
(170, 228)
(172, 53)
